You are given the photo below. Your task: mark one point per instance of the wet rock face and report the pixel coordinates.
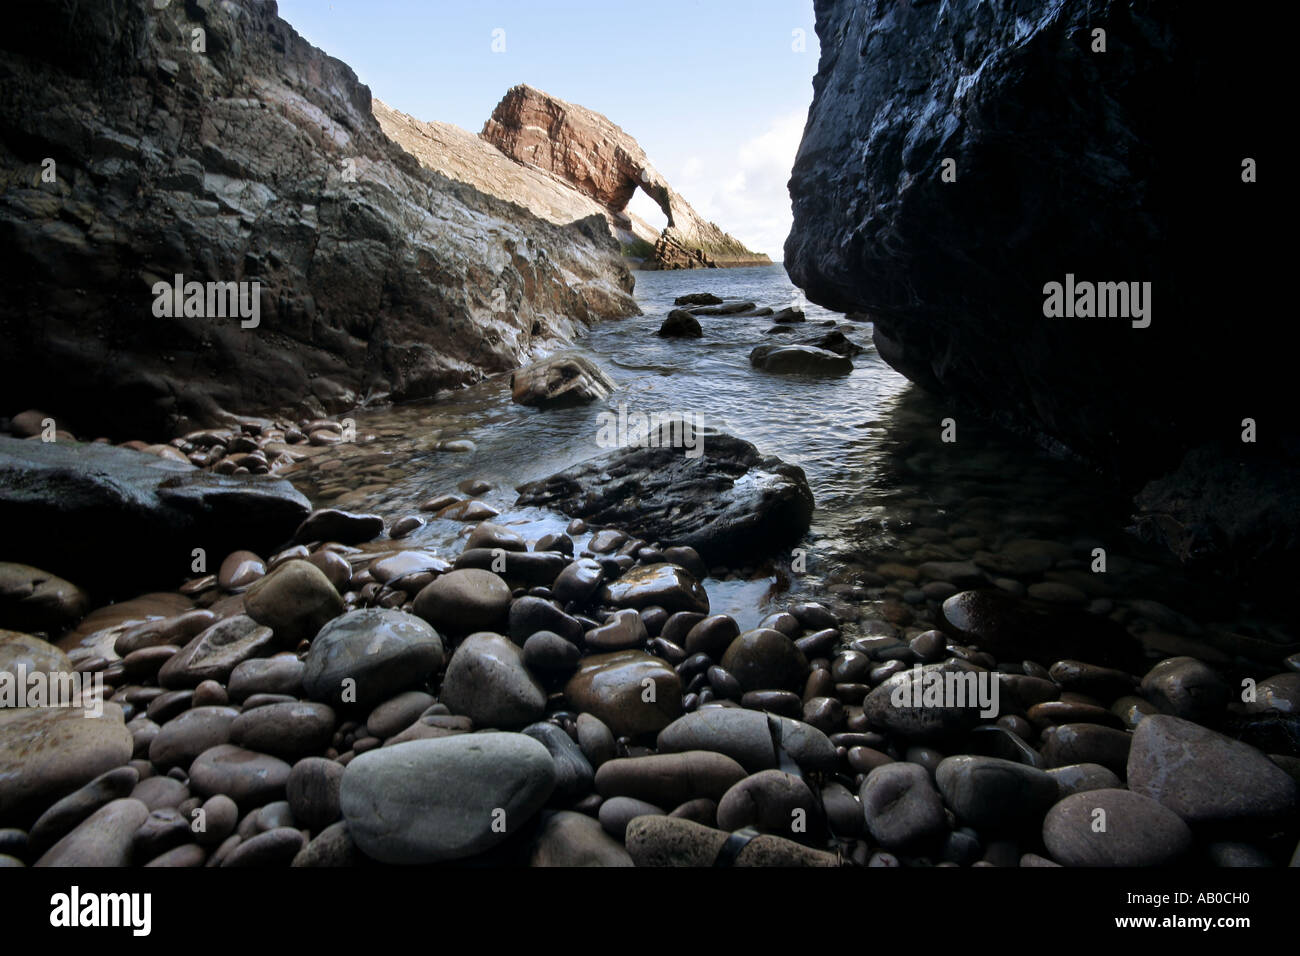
(257, 160)
(150, 513)
(1067, 161)
(729, 503)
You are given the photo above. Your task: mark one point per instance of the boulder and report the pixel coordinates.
(729, 503)
(564, 379)
(150, 513)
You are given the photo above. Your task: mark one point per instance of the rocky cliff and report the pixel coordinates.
(210, 141)
(468, 158)
(585, 149)
(961, 157)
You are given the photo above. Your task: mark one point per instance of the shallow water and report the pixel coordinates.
(886, 486)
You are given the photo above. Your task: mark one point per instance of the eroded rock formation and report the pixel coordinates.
(584, 148)
(209, 140)
(1118, 156)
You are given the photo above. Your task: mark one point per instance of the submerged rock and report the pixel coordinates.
(808, 359)
(680, 324)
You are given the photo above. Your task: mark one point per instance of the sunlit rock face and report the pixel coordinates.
(210, 141)
(598, 159)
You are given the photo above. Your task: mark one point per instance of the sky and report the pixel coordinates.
(715, 91)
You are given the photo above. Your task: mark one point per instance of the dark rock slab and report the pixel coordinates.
(61, 501)
(729, 503)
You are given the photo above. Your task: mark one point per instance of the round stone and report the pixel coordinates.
(464, 601)
(428, 801)
(764, 659)
(1114, 828)
(369, 655)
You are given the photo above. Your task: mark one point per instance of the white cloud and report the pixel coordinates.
(744, 190)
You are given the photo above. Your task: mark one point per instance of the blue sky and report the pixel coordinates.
(715, 91)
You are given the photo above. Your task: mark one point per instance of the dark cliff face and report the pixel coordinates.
(1116, 166)
(255, 158)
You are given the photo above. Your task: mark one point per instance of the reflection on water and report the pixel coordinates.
(886, 486)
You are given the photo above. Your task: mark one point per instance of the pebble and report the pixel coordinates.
(332, 847)
(163, 830)
(783, 702)
(669, 779)
(712, 636)
(578, 582)
(281, 674)
(623, 630)
(548, 653)
(771, 801)
(335, 567)
(429, 801)
(1081, 777)
(345, 527)
(188, 856)
(381, 651)
(239, 570)
(288, 730)
(632, 692)
(464, 601)
(1187, 688)
(487, 681)
(67, 813)
(30, 653)
(617, 812)
(531, 614)
(911, 719)
(654, 841)
(573, 773)
(405, 526)
(220, 816)
(185, 737)
(105, 838)
(295, 600)
(34, 600)
(987, 792)
(397, 713)
(275, 847)
(1104, 682)
(595, 739)
(1280, 693)
(900, 805)
(574, 839)
(1067, 744)
(250, 779)
(1205, 777)
(48, 752)
(661, 585)
(1138, 831)
(765, 659)
(214, 653)
(158, 792)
